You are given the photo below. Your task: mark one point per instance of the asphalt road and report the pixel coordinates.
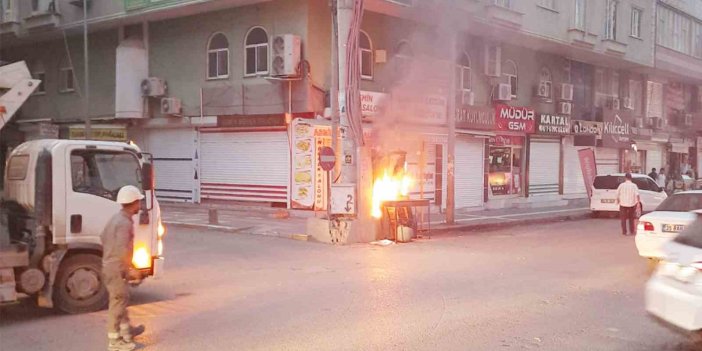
(562, 286)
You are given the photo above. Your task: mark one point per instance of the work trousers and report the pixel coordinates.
(118, 289)
(628, 214)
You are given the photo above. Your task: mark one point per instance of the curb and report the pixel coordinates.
(509, 224)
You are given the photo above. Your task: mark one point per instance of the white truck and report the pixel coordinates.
(58, 195)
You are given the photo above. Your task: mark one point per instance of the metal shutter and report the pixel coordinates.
(607, 160)
(245, 166)
(469, 176)
(573, 183)
(544, 166)
(654, 159)
(173, 151)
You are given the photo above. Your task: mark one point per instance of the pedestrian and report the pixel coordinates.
(628, 198)
(653, 174)
(661, 178)
(118, 245)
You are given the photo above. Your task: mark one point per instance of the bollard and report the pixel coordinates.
(213, 216)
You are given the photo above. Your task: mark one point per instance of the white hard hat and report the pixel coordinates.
(129, 194)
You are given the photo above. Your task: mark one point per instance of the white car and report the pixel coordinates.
(604, 193)
(674, 292)
(670, 218)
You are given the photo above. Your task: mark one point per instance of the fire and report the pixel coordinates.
(389, 188)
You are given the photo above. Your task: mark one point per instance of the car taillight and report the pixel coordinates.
(645, 227)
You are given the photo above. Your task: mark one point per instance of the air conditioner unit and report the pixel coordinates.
(493, 60)
(153, 87)
(503, 92)
(171, 106)
(468, 98)
(628, 103)
(688, 119)
(287, 54)
(656, 122)
(565, 108)
(544, 90)
(567, 92)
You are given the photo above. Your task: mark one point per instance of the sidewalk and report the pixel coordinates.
(254, 220)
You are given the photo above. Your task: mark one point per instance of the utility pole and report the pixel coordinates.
(348, 172)
(451, 161)
(86, 67)
(334, 93)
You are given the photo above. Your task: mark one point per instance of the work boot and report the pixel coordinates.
(128, 333)
(119, 344)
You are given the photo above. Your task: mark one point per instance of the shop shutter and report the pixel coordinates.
(469, 172)
(245, 166)
(607, 160)
(573, 183)
(173, 151)
(654, 159)
(544, 166)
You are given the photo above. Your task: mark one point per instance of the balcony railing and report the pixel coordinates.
(131, 5)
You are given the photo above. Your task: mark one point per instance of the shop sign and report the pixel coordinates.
(553, 124)
(471, 117)
(309, 179)
(372, 103)
(617, 129)
(515, 119)
(48, 131)
(642, 133)
(428, 109)
(587, 128)
(260, 121)
(99, 133)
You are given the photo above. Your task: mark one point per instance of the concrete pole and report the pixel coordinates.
(344, 10)
(334, 93)
(450, 176)
(86, 67)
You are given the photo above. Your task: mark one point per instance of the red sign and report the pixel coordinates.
(589, 168)
(515, 119)
(327, 158)
(506, 140)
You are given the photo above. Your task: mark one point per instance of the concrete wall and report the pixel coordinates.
(65, 107)
(98, 9)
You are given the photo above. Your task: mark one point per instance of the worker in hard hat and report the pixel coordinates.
(118, 246)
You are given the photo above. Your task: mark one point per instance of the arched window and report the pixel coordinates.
(39, 72)
(218, 57)
(509, 71)
(256, 47)
(464, 81)
(66, 77)
(545, 83)
(403, 58)
(366, 56)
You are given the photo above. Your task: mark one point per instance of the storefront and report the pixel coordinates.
(617, 152)
(545, 160)
(474, 126)
(247, 158)
(585, 134)
(507, 161)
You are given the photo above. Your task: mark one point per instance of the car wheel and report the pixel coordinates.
(79, 287)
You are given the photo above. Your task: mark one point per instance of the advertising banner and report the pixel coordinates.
(589, 168)
(473, 117)
(617, 129)
(515, 119)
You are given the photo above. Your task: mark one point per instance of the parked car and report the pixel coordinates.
(604, 193)
(674, 292)
(666, 222)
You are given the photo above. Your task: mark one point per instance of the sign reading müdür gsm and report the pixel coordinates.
(515, 119)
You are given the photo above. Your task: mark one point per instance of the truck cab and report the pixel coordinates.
(58, 197)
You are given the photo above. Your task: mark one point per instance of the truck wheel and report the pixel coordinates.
(78, 287)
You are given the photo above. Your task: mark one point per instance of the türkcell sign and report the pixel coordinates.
(515, 119)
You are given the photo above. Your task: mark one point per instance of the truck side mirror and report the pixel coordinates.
(147, 176)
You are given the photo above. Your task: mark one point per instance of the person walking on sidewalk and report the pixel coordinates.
(118, 245)
(628, 198)
(653, 174)
(661, 178)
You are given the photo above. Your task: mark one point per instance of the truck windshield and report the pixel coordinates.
(103, 173)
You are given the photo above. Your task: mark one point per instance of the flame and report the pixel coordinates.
(141, 258)
(389, 188)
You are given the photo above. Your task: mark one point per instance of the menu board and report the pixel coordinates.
(322, 138)
(303, 165)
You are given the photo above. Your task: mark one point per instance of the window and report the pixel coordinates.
(579, 15)
(103, 173)
(509, 71)
(545, 83)
(39, 73)
(636, 15)
(611, 20)
(256, 52)
(636, 95)
(17, 167)
(66, 77)
(549, 4)
(403, 59)
(679, 32)
(464, 78)
(218, 57)
(614, 84)
(366, 58)
(504, 3)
